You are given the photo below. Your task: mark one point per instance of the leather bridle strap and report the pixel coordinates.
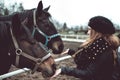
(20, 52)
(36, 28)
(38, 61)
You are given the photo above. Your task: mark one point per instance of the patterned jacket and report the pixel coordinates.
(94, 62)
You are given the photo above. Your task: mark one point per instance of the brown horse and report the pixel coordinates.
(18, 47)
(41, 27)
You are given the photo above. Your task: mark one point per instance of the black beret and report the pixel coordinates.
(101, 24)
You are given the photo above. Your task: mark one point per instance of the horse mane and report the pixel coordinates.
(4, 33)
(22, 14)
(6, 17)
(25, 13)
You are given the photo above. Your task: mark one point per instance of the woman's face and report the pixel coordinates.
(89, 31)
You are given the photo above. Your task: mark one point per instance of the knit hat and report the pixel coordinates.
(102, 25)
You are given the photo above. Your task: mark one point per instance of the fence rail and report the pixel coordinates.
(74, 38)
(23, 70)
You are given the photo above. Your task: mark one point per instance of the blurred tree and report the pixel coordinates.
(20, 8)
(64, 26)
(81, 28)
(6, 11)
(1, 7)
(76, 29)
(13, 7)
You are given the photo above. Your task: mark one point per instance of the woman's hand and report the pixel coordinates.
(65, 52)
(58, 71)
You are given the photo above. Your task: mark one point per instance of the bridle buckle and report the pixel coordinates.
(18, 51)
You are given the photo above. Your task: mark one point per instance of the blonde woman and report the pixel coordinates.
(95, 59)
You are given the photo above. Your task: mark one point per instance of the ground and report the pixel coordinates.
(37, 75)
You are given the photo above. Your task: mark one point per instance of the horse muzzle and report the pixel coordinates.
(48, 72)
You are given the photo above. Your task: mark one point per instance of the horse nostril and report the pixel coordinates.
(49, 73)
(54, 67)
(61, 48)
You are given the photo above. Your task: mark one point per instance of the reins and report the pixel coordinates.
(36, 28)
(19, 53)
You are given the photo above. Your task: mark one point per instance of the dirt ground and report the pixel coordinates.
(37, 75)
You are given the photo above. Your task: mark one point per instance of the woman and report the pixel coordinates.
(96, 57)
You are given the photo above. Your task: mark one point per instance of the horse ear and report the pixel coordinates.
(16, 24)
(46, 9)
(40, 7)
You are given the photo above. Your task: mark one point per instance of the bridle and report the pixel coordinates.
(19, 53)
(36, 28)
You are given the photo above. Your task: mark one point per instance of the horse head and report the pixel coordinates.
(29, 52)
(44, 30)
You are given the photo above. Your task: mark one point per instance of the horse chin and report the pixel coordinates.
(56, 46)
(54, 51)
(47, 74)
(58, 49)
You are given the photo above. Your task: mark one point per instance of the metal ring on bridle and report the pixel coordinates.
(39, 60)
(18, 51)
(49, 38)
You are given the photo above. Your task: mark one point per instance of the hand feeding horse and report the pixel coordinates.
(18, 47)
(41, 26)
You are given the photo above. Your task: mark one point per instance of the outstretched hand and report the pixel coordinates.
(65, 52)
(58, 71)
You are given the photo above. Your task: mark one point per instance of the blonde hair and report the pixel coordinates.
(110, 38)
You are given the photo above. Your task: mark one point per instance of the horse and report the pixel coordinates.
(41, 26)
(19, 48)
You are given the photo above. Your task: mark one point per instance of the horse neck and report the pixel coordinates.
(26, 14)
(6, 18)
(29, 15)
(6, 42)
(5, 30)
(5, 38)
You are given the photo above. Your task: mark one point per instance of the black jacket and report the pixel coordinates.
(94, 62)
